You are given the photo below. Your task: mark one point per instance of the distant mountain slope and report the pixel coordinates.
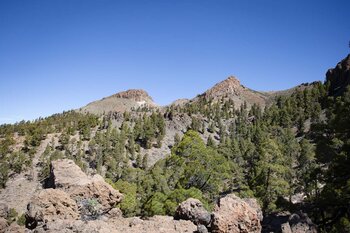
(231, 88)
(123, 101)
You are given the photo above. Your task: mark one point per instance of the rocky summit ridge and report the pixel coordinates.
(231, 88)
(138, 95)
(231, 85)
(129, 100)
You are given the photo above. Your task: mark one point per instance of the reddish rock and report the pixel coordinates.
(49, 205)
(68, 177)
(234, 215)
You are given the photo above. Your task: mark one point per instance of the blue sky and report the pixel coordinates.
(60, 54)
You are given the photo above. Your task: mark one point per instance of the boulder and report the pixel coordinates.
(286, 222)
(193, 210)
(68, 177)
(48, 205)
(234, 215)
(300, 223)
(252, 202)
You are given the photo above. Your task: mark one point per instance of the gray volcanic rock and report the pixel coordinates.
(193, 210)
(286, 222)
(339, 77)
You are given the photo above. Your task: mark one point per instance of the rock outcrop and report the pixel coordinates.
(234, 215)
(231, 88)
(339, 77)
(120, 102)
(193, 210)
(286, 222)
(231, 85)
(76, 202)
(68, 177)
(50, 205)
(138, 95)
(231, 214)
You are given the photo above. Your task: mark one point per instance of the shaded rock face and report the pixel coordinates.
(234, 215)
(68, 177)
(301, 223)
(193, 210)
(289, 223)
(339, 77)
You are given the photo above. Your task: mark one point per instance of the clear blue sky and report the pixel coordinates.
(62, 54)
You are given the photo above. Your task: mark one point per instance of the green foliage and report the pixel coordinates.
(21, 220)
(12, 215)
(129, 204)
(4, 171)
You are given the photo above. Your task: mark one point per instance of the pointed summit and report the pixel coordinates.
(231, 88)
(231, 85)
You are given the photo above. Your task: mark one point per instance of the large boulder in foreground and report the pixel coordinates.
(235, 215)
(49, 205)
(68, 177)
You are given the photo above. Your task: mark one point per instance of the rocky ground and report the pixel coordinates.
(76, 202)
(21, 187)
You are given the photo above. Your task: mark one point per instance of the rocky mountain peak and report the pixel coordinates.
(339, 77)
(134, 94)
(231, 85)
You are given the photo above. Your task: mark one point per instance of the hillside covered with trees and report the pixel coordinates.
(291, 154)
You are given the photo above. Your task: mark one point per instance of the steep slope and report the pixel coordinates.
(339, 77)
(123, 101)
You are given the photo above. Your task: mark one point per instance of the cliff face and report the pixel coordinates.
(339, 77)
